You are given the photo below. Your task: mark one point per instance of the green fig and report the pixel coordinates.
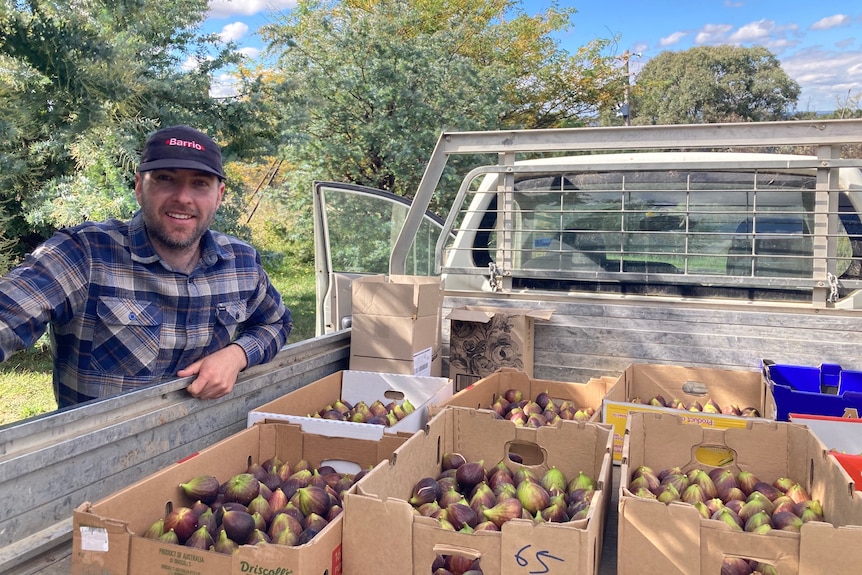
(224, 544)
(156, 530)
(200, 539)
(797, 493)
(786, 521)
(533, 497)
(757, 520)
(729, 517)
(668, 493)
(169, 536)
(553, 480)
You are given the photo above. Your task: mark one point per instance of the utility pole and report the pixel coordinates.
(626, 107)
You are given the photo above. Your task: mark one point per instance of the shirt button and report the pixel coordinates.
(132, 316)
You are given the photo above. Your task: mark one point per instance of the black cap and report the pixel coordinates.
(181, 147)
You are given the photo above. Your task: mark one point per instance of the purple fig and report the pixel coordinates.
(746, 481)
(581, 481)
(503, 511)
(238, 525)
(753, 507)
(311, 499)
(306, 536)
(812, 504)
(783, 503)
(783, 484)
(678, 480)
(183, 521)
(460, 515)
(700, 477)
(203, 487)
(714, 504)
(426, 490)
(207, 519)
(285, 537)
(735, 566)
(524, 474)
(757, 496)
(261, 506)
(734, 505)
(169, 536)
(486, 525)
(315, 521)
(786, 521)
(733, 493)
(513, 395)
(772, 493)
(452, 461)
(277, 500)
(644, 476)
(242, 488)
(451, 497)
(281, 522)
(657, 401)
(797, 493)
(554, 513)
(692, 494)
(470, 474)
(258, 537)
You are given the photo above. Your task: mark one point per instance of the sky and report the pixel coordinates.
(819, 44)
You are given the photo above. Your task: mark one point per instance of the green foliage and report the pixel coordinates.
(81, 85)
(713, 84)
(367, 87)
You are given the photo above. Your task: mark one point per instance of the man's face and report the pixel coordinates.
(178, 205)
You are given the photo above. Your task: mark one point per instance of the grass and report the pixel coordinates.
(25, 378)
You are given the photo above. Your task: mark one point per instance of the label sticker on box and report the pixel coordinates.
(94, 539)
(422, 362)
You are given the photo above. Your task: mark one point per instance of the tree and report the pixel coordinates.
(710, 84)
(81, 84)
(371, 84)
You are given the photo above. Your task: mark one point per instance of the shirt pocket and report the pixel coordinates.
(126, 336)
(229, 316)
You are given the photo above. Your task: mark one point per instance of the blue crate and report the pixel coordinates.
(824, 390)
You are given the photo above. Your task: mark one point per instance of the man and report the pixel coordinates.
(130, 304)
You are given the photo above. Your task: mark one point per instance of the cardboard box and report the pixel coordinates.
(843, 434)
(484, 339)
(352, 386)
(688, 384)
(397, 324)
(483, 393)
(824, 390)
(107, 535)
(384, 536)
(654, 537)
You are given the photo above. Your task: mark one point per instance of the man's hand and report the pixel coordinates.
(216, 373)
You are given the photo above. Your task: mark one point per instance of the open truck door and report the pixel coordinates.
(355, 229)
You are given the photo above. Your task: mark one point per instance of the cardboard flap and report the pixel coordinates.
(484, 314)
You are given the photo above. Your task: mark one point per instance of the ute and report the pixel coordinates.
(714, 245)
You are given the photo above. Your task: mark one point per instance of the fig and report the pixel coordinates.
(694, 406)
(208, 519)
(447, 483)
(238, 525)
(258, 537)
(783, 484)
(700, 477)
(242, 488)
(581, 481)
(692, 494)
(645, 493)
(772, 493)
(734, 505)
(786, 521)
(533, 497)
(711, 407)
(812, 504)
(734, 493)
(286, 537)
(277, 500)
(203, 487)
(486, 526)
(505, 490)
(702, 509)
(183, 521)
(808, 514)
(524, 474)
(482, 497)
(797, 493)
(714, 504)
(657, 401)
(509, 508)
(724, 480)
(735, 566)
(513, 395)
(643, 482)
(169, 536)
(470, 474)
(224, 544)
(646, 477)
(746, 481)
(758, 519)
(678, 480)
(581, 495)
(783, 503)
(460, 515)
(452, 461)
(751, 508)
(543, 398)
(315, 521)
(334, 512)
(261, 506)
(554, 513)
(200, 539)
(282, 521)
(306, 536)
(578, 511)
(668, 493)
(259, 522)
(768, 506)
(311, 499)
(156, 530)
(553, 480)
(426, 490)
(729, 517)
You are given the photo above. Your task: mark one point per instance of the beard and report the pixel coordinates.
(161, 232)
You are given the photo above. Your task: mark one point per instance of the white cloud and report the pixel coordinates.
(224, 86)
(753, 32)
(231, 8)
(674, 38)
(233, 32)
(249, 52)
(712, 34)
(831, 22)
(826, 76)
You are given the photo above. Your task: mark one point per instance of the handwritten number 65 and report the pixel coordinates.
(541, 557)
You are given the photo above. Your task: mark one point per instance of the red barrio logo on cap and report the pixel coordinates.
(184, 143)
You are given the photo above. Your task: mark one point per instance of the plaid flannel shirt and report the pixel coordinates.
(119, 319)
